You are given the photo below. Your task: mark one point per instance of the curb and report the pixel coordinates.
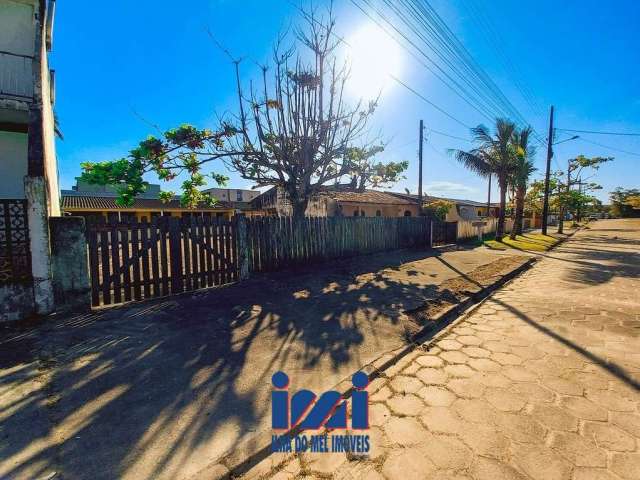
(244, 457)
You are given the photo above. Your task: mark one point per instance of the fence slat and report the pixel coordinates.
(163, 237)
(93, 266)
(145, 254)
(135, 260)
(154, 245)
(104, 266)
(116, 263)
(175, 255)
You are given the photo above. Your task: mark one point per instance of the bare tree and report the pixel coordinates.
(297, 129)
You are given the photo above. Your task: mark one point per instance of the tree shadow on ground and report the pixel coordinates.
(593, 266)
(146, 388)
(607, 365)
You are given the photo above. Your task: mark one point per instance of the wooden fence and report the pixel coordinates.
(134, 260)
(467, 231)
(277, 242)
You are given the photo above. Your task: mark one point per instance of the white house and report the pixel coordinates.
(29, 192)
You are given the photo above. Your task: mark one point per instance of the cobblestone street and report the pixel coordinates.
(540, 381)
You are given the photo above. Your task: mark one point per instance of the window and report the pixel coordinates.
(378, 213)
(362, 214)
(239, 195)
(355, 212)
(407, 213)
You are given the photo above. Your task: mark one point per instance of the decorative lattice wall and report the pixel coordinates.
(15, 263)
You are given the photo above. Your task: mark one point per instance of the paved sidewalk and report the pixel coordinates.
(162, 389)
(540, 382)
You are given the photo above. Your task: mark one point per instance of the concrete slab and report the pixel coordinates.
(162, 389)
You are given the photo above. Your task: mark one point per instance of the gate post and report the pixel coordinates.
(242, 246)
(69, 264)
(431, 233)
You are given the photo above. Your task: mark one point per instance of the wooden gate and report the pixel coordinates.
(445, 233)
(133, 260)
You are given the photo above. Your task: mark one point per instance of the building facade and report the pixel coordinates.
(98, 203)
(232, 195)
(339, 201)
(29, 192)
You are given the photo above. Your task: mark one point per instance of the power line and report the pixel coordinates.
(424, 22)
(496, 41)
(600, 133)
(439, 72)
(422, 97)
(431, 130)
(609, 147)
(393, 77)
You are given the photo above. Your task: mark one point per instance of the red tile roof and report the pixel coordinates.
(90, 202)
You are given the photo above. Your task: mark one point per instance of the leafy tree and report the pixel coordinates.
(523, 168)
(438, 209)
(181, 150)
(574, 175)
(535, 195)
(366, 173)
(634, 201)
(295, 132)
(625, 202)
(494, 155)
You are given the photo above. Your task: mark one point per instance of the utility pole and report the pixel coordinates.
(563, 209)
(545, 205)
(579, 210)
(420, 166)
(489, 197)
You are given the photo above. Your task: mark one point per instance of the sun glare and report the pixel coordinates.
(373, 57)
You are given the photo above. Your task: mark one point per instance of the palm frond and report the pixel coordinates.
(474, 161)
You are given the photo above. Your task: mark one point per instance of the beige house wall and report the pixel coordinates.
(347, 209)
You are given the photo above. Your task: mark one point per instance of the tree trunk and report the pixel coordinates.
(503, 202)
(299, 209)
(517, 222)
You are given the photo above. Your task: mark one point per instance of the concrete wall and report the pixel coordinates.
(16, 302)
(69, 266)
(13, 158)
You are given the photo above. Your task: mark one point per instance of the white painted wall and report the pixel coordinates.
(231, 194)
(13, 164)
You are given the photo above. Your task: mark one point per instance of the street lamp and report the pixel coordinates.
(567, 139)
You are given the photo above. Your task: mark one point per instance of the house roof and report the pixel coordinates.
(457, 201)
(369, 196)
(92, 202)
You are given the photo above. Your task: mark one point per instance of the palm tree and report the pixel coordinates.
(523, 168)
(494, 155)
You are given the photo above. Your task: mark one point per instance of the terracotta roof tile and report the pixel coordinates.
(90, 202)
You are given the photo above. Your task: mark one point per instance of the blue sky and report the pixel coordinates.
(125, 67)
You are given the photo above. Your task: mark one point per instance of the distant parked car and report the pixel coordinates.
(593, 217)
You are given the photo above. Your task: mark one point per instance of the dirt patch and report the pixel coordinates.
(455, 290)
